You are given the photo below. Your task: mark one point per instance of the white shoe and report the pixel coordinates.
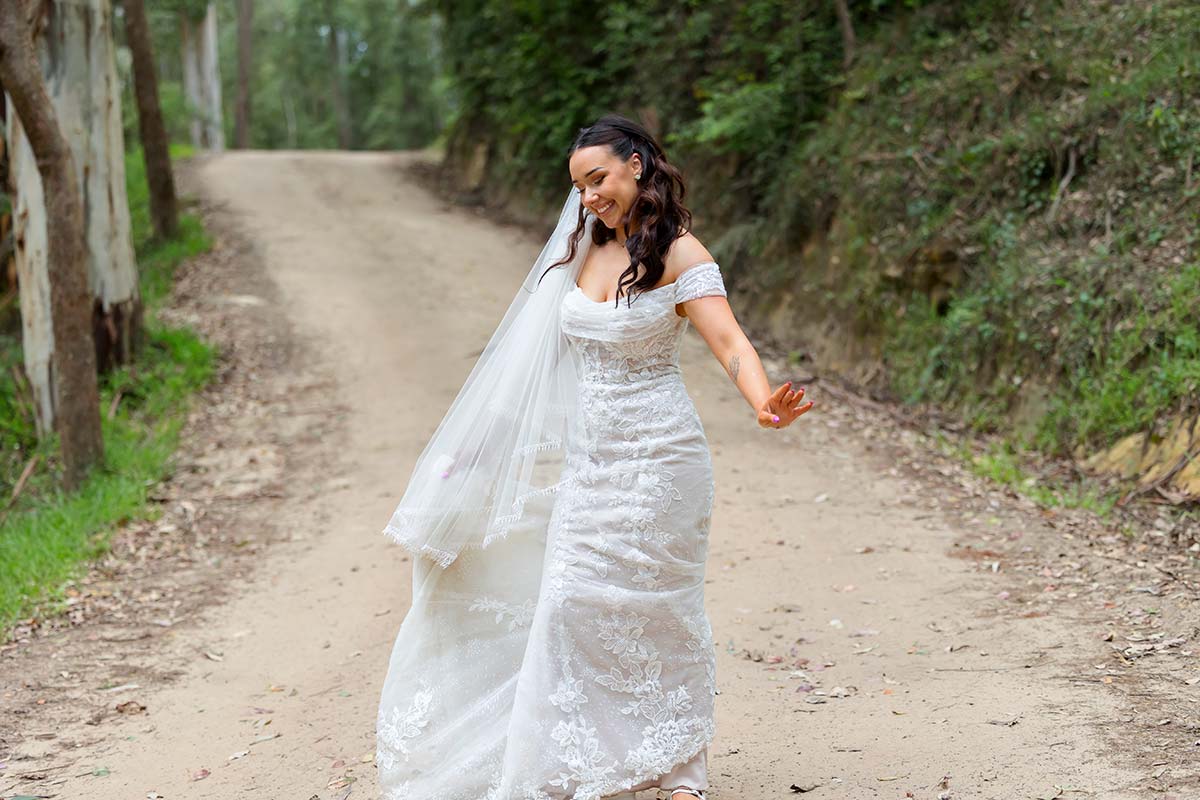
(685, 790)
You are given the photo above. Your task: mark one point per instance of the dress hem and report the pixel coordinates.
(626, 786)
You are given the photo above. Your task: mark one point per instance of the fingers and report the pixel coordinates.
(784, 399)
(792, 396)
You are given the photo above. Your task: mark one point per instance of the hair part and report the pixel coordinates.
(658, 210)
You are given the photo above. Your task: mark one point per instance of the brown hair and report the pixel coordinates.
(657, 209)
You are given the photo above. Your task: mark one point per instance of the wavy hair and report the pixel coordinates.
(657, 211)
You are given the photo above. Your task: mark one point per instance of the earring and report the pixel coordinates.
(637, 177)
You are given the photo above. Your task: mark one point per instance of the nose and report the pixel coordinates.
(589, 197)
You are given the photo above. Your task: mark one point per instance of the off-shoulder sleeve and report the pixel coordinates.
(699, 280)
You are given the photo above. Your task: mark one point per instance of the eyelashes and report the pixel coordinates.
(597, 183)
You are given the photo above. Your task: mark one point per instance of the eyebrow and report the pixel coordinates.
(590, 171)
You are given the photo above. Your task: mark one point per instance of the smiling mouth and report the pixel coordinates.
(602, 210)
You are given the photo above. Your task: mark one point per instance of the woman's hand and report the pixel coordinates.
(781, 409)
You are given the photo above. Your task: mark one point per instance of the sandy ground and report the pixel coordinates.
(856, 659)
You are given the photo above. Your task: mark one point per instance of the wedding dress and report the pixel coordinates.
(585, 667)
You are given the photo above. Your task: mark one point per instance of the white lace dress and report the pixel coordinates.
(588, 668)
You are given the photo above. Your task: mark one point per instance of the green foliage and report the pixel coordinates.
(1002, 192)
(157, 260)
(1008, 466)
(51, 532)
(389, 70)
(1066, 330)
(48, 533)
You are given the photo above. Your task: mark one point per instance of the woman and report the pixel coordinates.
(557, 644)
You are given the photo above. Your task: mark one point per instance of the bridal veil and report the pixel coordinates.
(497, 454)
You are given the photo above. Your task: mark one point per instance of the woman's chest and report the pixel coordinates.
(651, 317)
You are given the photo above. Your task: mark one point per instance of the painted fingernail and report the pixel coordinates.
(774, 418)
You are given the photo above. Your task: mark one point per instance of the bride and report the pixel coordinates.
(557, 644)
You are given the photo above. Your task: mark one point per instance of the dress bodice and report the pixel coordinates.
(630, 342)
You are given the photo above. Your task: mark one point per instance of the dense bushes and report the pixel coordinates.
(998, 197)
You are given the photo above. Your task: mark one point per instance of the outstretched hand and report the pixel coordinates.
(781, 408)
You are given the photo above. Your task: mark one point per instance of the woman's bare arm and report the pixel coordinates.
(714, 320)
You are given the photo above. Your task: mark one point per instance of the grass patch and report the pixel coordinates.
(1004, 464)
(1060, 320)
(48, 533)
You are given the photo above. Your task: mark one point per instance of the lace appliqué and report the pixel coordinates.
(394, 731)
(519, 616)
(700, 280)
(579, 747)
(618, 647)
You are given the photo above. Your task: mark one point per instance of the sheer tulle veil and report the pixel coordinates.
(497, 454)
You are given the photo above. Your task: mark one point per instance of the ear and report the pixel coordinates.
(635, 164)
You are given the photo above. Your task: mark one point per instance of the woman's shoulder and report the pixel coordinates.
(685, 251)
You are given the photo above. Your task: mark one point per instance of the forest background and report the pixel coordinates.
(984, 212)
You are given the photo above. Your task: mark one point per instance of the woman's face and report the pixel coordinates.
(605, 182)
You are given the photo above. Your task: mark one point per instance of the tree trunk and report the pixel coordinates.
(60, 349)
(202, 79)
(847, 26)
(164, 208)
(289, 115)
(189, 43)
(81, 78)
(337, 91)
(245, 31)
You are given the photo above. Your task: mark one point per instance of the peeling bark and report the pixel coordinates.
(55, 300)
(202, 78)
(79, 72)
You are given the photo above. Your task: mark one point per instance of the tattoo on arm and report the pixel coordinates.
(735, 364)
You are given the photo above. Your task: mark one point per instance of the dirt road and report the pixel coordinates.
(856, 660)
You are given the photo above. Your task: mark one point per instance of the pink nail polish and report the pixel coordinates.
(774, 418)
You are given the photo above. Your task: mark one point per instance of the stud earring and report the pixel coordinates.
(637, 177)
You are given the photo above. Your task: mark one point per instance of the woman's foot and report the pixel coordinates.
(684, 793)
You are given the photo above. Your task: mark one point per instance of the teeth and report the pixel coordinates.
(604, 209)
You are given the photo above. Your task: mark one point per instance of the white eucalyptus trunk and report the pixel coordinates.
(78, 62)
(31, 252)
(202, 79)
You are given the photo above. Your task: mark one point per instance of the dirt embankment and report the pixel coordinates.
(888, 626)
